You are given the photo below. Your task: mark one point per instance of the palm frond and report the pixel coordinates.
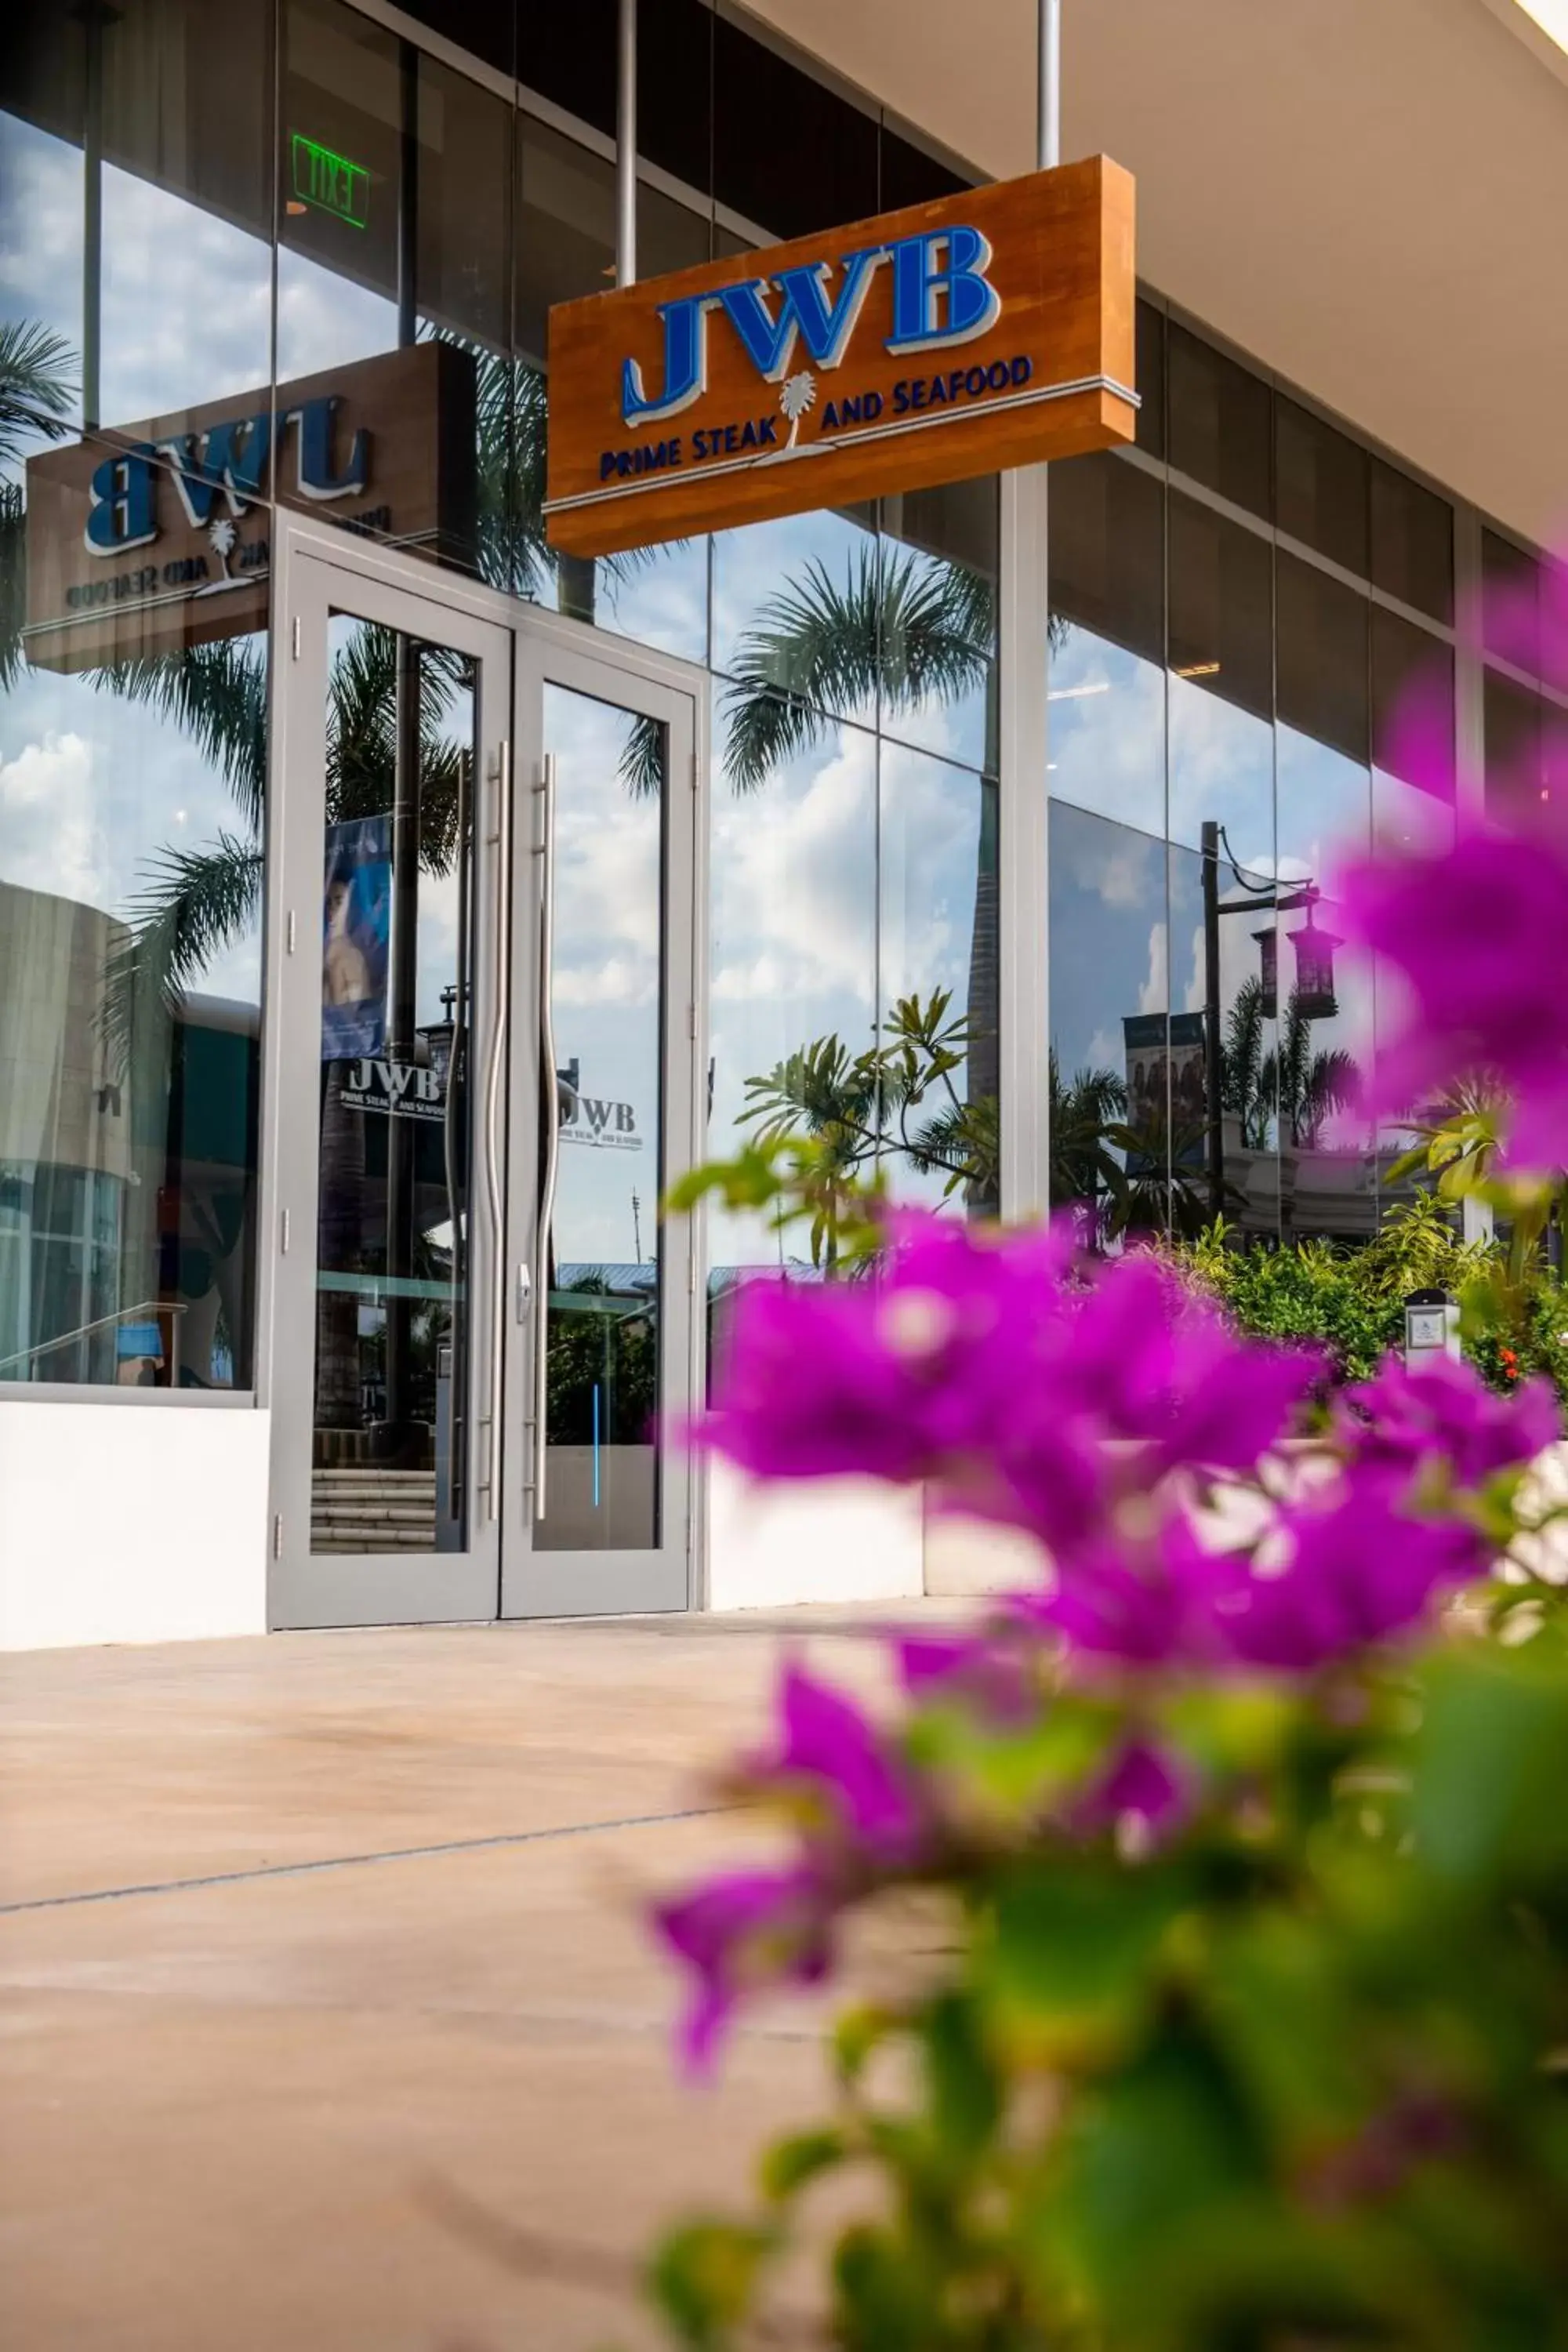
(642, 761)
(900, 626)
(13, 579)
(217, 693)
(192, 904)
(37, 385)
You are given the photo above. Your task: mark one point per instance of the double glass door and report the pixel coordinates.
(481, 1065)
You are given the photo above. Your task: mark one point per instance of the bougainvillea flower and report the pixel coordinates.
(1143, 1783)
(1444, 1410)
(828, 1741)
(1479, 938)
(737, 1934)
(1355, 1572)
(1025, 1385)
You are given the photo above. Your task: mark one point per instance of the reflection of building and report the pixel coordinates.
(108, 1271)
(1232, 611)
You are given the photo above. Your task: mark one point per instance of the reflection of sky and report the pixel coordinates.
(1106, 731)
(659, 596)
(794, 932)
(605, 997)
(930, 853)
(1222, 771)
(1108, 937)
(752, 567)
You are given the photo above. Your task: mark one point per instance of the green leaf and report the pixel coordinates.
(965, 2095)
(1492, 1765)
(790, 2164)
(703, 2277)
(1071, 1960)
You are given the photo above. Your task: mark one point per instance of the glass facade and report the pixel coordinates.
(1238, 609)
(233, 222)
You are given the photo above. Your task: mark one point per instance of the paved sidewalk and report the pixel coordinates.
(315, 1952)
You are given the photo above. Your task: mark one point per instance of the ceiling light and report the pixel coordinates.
(1077, 693)
(1199, 669)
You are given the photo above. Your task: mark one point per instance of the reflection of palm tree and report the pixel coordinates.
(38, 389)
(1308, 1087)
(1087, 1116)
(1247, 1068)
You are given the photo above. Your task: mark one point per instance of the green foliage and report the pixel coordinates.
(1293, 2080)
(828, 1123)
(1352, 1300)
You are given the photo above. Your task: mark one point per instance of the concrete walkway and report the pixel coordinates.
(321, 1973)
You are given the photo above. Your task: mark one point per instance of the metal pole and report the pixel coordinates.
(408, 194)
(626, 145)
(92, 216)
(1213, 1066)
(1049, 126)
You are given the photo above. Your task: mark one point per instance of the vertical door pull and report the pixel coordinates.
(550, 1086)
(500, 775)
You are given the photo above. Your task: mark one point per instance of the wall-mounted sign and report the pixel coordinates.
(603, 1124)
(329, 182)
(990, 329)
(356, 926)
(157, 535)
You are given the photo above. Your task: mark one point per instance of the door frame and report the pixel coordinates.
(536, 1581)
(546, 647)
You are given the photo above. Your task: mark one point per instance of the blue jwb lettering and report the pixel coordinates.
(230, 460)
(941, 296)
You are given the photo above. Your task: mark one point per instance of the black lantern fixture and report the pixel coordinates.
(1314, 995)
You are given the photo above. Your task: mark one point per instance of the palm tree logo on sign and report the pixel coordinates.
(797, 394)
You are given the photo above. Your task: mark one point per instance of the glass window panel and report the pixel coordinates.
(1109, 977)
(1510, 602)
(1232, 1168)
(1329, 1160)
(565, 246)
(1221, 688)
(1323, 681)
(1413, 705)
(910, 176)
(675, 91)
(936, 651)
(486, 29)
(1412, 542)
(1150, 331)
(569, 55)
(938, 937)
(391, 1272)
(1106, 747)
(768, 116)
(1515, 784)
(1219, 422)
(1322, 485)
(396, 228)
(606, 996)
(131, 890)
(792, 897)
(796, 607)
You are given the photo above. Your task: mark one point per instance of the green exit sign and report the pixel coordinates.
(330, 183)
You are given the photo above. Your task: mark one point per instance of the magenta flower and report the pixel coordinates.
(1143, 1784)
(999, 1369)
(832, 1746)
(1403, 1419)
(1480, 935)
(738, 1932)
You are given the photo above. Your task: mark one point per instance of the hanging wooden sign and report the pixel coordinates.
(990, 329)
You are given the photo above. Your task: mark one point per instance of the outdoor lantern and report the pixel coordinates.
(1268, 970)
(1315, 999)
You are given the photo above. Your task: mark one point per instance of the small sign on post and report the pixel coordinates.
(1431, 1327)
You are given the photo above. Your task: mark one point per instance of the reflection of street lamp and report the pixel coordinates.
(1313, 995)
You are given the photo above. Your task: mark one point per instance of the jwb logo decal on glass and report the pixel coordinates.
(990, 330)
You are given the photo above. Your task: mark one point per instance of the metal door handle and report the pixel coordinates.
(551, 1086)
(502, 841)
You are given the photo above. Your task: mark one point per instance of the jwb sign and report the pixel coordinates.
(992, 329)
(590, 1119)
(158, 535)
(395, 1089)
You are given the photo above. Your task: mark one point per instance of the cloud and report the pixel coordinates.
(1152, 995)
(49, 836)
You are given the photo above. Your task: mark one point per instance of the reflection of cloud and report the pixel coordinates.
(1195, 994)
(1152, 994)
(795, 885)
(608, 980)
(188, 302)
(1105, 1050)
(49, 838)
